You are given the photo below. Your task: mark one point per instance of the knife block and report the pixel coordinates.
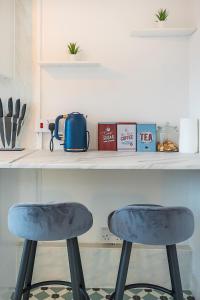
(9, 147)
(11, 125)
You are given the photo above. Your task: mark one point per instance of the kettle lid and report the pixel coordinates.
(77, 114)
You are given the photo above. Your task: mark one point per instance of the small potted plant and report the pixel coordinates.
(161, 17)
(73, 50)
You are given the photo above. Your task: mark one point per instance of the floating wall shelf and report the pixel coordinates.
(163, 32)
(68, 64)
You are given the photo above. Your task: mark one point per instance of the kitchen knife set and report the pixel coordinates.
(11, 124)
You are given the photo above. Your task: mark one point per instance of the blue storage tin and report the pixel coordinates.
(146, 137)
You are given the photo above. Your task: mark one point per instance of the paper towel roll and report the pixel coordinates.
(189, 136)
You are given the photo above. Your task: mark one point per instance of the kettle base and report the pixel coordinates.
(75, 150)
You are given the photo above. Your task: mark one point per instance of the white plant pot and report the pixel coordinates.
(161, 24)
(73, 57)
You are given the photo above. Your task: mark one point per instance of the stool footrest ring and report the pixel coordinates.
(54, 282)
(145, 285)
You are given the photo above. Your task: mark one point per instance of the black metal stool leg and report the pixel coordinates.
(74, 270)
(174, 272)
(22, 271)
(123, 270)
(79, 266)
(29, 274)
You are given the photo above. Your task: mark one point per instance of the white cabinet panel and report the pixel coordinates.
(6, 37)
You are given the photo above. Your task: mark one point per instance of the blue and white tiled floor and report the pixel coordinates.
(102, 294)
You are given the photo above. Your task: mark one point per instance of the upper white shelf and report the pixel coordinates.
(68, 64)
(163, 32)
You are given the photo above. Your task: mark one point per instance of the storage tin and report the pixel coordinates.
(107, 136)
(146, 137)
(126, 136)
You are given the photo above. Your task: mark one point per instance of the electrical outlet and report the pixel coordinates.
(108, 237)
(43, 126)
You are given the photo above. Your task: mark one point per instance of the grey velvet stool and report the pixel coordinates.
(49, 222)
(151, 225)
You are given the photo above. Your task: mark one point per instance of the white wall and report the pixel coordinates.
(139, 79)
(20, 86)
(195, 66)
(7, 41)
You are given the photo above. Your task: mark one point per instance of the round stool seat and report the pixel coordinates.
(49, 221)
(152, 225)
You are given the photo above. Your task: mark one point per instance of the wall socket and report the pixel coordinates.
(108, 237)
(43, 125)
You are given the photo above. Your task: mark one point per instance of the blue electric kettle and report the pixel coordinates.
(76, 136)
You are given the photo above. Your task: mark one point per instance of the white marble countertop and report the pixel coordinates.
(9, 157)
(103, 161)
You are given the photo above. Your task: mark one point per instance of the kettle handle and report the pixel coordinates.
(88, 139)
(56, 132)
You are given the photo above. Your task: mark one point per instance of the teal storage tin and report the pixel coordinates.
(146, 137)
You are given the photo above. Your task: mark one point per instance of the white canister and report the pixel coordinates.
(189, 135)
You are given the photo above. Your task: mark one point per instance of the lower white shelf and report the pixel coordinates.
(163, 32)
(107, 160)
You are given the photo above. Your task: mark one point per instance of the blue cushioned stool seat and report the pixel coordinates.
(49, 221)
(152, 225)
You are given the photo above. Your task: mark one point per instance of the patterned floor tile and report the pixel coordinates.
(103, 294)
(60, 293)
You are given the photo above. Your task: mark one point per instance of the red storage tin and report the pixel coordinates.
(107, 136)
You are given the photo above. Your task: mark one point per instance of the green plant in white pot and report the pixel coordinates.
(162, 17)
(73, 50)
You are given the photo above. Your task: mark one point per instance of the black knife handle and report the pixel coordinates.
(23, 112)
(17, 108)
(10, 107)
(1, 109)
